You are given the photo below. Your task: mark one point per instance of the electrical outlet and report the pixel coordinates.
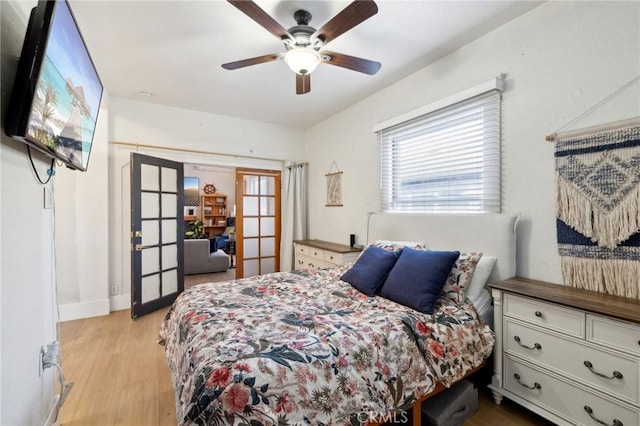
(49, 355)
(114, 290)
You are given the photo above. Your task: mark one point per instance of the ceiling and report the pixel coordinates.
(170, 52)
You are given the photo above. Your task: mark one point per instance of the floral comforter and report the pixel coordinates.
(303, 347)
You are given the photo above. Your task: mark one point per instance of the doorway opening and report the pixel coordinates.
(210, 209)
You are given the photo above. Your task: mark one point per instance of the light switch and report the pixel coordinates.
(48, 198)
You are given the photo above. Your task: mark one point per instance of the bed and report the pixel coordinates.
(306, 347)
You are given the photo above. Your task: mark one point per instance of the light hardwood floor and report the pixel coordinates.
(121, 377)
(214, 277)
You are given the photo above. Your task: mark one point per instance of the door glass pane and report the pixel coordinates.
(267, 226)
(169, 230)
(149, 177)
(267, 206)
(150, 232)
(267, 247)
(267, 265)
(250, 227)
(150, 205)
(169, 179)
(251, 247)
(170, 256)
(250, 267)
(250, 185)
(169, 282)
(250, 206)
(150, 260)
(267, 185)
(150, 288)
(169, 205)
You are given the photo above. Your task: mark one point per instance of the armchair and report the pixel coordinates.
(223, 241)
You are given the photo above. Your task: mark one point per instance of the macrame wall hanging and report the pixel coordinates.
(598, 207)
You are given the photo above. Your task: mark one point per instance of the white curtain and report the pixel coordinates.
(294, 215)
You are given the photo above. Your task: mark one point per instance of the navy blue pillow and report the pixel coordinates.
(213, 245)
(418, 277)
(370, 270)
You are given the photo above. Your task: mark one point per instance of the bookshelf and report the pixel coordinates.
(214, 213)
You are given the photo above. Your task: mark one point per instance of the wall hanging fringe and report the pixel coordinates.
(598, 210)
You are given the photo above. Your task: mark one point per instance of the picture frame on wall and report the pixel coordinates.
(191, 191)
(334, 189)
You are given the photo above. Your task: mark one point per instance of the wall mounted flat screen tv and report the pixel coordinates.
(57, 91)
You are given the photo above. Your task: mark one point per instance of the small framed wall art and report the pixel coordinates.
(334, 187)
(191, 191)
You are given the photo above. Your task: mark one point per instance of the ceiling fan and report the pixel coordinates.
(303, 43)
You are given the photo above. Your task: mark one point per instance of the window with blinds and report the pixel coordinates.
(446, 161)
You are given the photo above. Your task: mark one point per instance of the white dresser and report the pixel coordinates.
(318, 254)
(572, 356)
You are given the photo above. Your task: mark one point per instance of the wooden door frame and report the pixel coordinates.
(240, 171)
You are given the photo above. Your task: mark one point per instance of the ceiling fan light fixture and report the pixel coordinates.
(302, 60)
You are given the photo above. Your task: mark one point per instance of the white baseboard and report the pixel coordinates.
(120, 302)
(73, 311)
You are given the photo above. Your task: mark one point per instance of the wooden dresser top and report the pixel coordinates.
(592, 301)
(326, 245)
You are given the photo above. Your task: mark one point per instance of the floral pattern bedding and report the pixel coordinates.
(303, 347)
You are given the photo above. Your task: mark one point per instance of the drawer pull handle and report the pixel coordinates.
(539, 314)
(537, 346)
(311, 265)
(589, 411)
(616, 374)
(536, 385)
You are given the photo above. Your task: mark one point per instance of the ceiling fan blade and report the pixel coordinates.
(254, 12)
(251, 61)
(351, 62)
(303, 84)
(352, 15)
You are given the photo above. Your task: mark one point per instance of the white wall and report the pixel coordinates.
(81, 227)
(27, 289)
(223, 178)
(561, 59)
(237, 143)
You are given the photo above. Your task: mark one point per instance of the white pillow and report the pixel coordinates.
(392, 243)
(480, 277)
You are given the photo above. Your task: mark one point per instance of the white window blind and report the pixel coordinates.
(446, 161)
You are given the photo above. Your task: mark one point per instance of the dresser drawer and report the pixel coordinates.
(564, 399)
(548, 315)
(301, 249)
(301, 262)
(613, 333)
(308, 262)
(332, 257)
(582, 362)
(316, 252)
